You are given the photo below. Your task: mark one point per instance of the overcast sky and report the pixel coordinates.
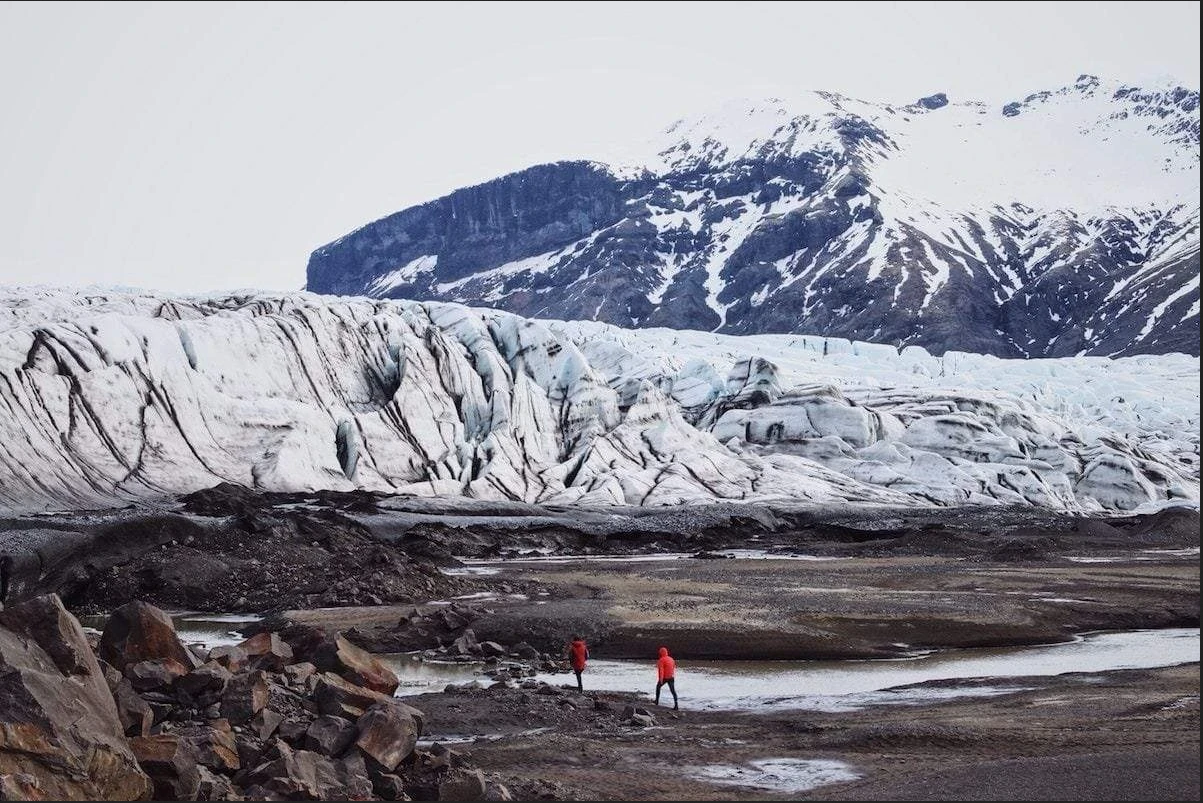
(211, 146)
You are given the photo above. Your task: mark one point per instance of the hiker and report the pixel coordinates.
(666, 673)
(578, 654)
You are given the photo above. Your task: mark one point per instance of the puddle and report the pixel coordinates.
(418, 676)
(784, 775)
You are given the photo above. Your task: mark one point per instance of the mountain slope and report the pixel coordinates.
(1063, 224)
(115, 397)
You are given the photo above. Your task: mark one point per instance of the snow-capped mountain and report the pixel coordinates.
(112, 397)
(1062, 224)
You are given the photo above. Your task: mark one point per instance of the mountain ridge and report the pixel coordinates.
(764, 219)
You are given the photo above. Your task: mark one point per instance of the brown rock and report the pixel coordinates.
(209, 677)
(388, 732)
(213, 745)
(466, 644)
(215, 787)
(354, 664)
(134, 713)
(140, 632)
(21, 787)
(329, 735)
(60, 727)
(389, 786)
(498, 791)
(293, 731)
(158, 674)
(265, 723)
(297, 775)
(339, 697)
(267, 651)
(232, 657)
(171, 764)
(462, 785)
(492, 648)
(47, 623)
(245, 695)
(297, 674)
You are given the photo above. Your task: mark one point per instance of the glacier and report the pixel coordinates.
(108, 398)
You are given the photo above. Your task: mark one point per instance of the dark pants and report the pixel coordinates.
(579, 686)
(672, 686)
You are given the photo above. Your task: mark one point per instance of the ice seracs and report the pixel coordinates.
(111, 397)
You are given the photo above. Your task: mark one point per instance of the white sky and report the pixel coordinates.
(210, 146)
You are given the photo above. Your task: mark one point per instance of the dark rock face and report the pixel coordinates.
(511, 218)
(58, 722)
(792, 240)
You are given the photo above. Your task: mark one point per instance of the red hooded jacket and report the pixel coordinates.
(578, 653)
(666, 667)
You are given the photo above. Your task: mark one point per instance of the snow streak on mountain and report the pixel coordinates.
(117, 397)
(1063, 224)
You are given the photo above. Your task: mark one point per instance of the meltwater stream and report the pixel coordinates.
(849, 685)
(796, 685)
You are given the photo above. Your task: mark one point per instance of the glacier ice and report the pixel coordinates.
(112, 397)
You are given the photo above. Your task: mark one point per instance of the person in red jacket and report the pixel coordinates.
(578, 654)
(666, 674)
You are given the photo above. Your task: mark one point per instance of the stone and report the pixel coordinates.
(232, 657)
(266, 723)
(297, 775)
(134, 713)
(629, 711)
(214, 787)
(524, 650)
(389, 787)
(245, 695)
(466, 644)
(171, 764)
(140, 632)
(492, 648)
(388, 733)
(298, 674)
(643, 720)
(354, 775)
(158, 674)
(462, 785)
(339, 697)
(267, 651)
(498, 791)
(214, 745)
(250, 749)
(359, 666)
(209, 677)
(60, 727)
(23, 787)
(48, 624)
(293, 731)
(329, 735)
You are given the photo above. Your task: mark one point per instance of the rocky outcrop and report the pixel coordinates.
(282, 731)
(60, 734)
